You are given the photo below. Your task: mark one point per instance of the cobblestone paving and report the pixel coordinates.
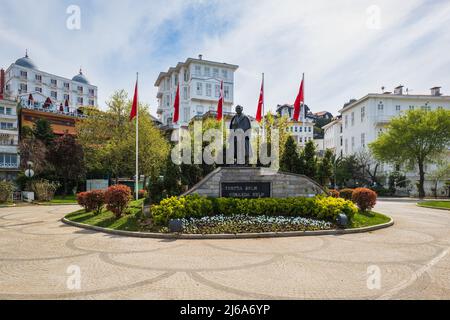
(36, 250)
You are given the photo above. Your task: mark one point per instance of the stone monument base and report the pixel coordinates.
(249, 182)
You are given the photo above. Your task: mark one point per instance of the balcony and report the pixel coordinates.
(52, 108)
(382, 119)
(9, 165)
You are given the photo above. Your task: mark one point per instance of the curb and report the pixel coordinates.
(228, 236)
(8, 205)
(430, 207)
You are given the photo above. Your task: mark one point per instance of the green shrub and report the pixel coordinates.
(326, 208)
(364, 198)
(117, 199)
(346, 194)
(6, 191)
(45, 190)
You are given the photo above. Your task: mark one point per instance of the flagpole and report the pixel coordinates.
(137, 141)
(263, 109)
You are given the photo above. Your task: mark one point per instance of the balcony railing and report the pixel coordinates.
(50, 108)
(9, 165)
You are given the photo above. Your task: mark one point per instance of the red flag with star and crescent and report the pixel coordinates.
(300, 100)
(220, 104)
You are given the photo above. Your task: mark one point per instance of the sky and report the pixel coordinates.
(346, 48)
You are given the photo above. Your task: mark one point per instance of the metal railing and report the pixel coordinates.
(50, 108)
(9, 165)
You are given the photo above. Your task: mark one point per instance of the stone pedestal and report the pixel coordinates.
(248, 182)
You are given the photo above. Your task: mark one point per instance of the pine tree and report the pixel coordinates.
(42, 130)
(310, 160)
(325, 169)
(290, 159)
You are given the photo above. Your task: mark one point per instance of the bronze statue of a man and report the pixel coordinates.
(241, 122)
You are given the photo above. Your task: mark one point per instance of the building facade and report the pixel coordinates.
(9, 140)
(363, 120)
(303, 130)
(200, 82)
(24, 79)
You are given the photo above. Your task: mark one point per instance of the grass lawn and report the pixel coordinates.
(62, 200)
(128, 222)
(436, 204)
(369, 219)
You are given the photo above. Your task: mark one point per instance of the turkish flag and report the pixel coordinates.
(300, 99)
(220, 104)
(134, 107)
(176, 105)
(260, 104)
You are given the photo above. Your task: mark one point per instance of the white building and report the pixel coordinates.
(363, 120)
(200, 82)
(303, 130)
(24, 78)
(9, 140)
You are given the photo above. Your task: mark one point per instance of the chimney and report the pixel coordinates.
(2, 84)
(398, 90)
(436, 91)
(200, 57)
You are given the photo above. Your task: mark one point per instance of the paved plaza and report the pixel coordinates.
(37, 251)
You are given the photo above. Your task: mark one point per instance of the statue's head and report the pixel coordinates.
(239, 109)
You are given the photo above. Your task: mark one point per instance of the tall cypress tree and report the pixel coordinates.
(310, 160)
(325, 168)
(290, 159)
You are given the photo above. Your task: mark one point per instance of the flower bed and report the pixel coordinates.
(251, 224)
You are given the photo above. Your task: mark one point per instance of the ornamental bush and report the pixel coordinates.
(143, 194)
(117, 198)
(45, 190)
(81, 200)
(346, 194)
(194, 206)
(95, 200)
(334, 193)
(6, 191)
(364, 198)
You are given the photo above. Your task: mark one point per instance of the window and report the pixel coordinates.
(310, 129)
(380, 106)
(225, 74)
(167, 101)
(175, 80)
(66, 85)
(363, 140)
(8, 111)
(53, 82)
(186, 76)
(38, 89)
(91, 92)
(66, 97)
(23, 87)
(208, 89)
(346, 122)
(301, 129)
(38, 78)
(54, 94)
(215, 72)
(353, 119)
(198, 70)
(91, 103)
(167, 84)
(23, 74)
(80, 100)
(342, 141)
(398, 108)
(296, 129)
(363, 113)
(207, 71)
(185, 93)
(217, 91)
(226, 92)
(199, 88)
(411, 107)
(2, 110)
(7, 159)
(353, 143)
(80, 89)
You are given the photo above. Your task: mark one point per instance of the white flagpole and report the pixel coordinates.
(263, 110)
(137, 139)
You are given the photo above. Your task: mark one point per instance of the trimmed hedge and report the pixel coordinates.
(194, 206)
(6, 191)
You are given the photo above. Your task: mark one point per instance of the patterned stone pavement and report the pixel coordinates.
(37, 251)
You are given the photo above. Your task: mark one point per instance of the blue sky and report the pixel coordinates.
(342, 55)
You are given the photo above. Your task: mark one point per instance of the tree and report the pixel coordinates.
(414, 138)
(325, 168)
(67, 158)
(309, 159)
(34, 150)
(290, 159)
(42, 130)
(368, 168)
(109, 140)
(442, 173)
